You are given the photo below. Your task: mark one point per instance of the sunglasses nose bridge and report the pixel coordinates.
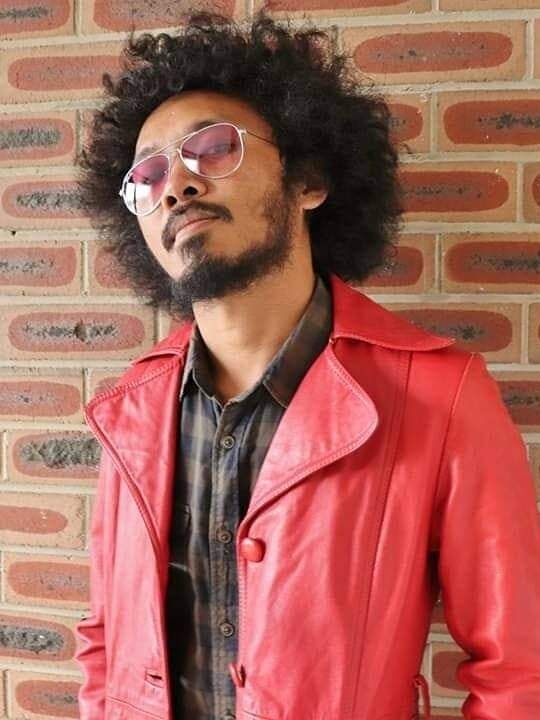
(176, 155)
(180, 177)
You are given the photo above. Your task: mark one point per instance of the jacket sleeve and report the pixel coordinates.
(489, 553)
(90, 634)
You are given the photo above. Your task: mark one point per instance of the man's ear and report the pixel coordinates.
(311, 198)
(308, 184)
(314, 186)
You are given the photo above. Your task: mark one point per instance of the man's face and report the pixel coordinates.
(255, 222)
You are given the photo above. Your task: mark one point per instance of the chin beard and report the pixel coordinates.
(208, 277)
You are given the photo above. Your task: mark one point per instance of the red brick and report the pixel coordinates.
(494, 330)
(491, 262)
(520, 392)
(59, 72)
(105, 274)
(489, 120)
(41, 520)
(22, 18)
(54, 456)
(36, 638)
(453, 192)
(450, 51)
(343, 7)
(410, 122)
(27, 202)
(534, 333)
(101, 15)
(531, 192)
(410, 270)
(41, 696)
(118, 331)
(44, 397)
(37, 139)
(446, 658)
(46, 580)
(40, 269)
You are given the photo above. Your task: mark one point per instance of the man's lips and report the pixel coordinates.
(191, 227)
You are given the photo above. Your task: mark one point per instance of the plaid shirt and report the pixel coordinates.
(220, 452)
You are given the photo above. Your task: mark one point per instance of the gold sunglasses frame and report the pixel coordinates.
(178, 151)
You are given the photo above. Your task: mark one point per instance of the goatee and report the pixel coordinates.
(209, 277)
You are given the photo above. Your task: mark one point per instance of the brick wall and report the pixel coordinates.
(463, 80)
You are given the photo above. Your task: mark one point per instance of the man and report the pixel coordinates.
(290, 477)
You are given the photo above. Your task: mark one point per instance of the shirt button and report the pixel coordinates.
(227, 442)
(226, 629)
(224, 536)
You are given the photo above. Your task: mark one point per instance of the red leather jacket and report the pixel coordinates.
(395, 470)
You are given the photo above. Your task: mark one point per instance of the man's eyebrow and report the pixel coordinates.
(149, 149)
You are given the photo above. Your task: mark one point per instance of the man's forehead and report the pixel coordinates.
(149, 147)
(186, 113)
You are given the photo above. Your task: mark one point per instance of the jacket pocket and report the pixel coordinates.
(154, 678)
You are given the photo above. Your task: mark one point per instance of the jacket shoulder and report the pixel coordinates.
(152, 362)
(446, 366)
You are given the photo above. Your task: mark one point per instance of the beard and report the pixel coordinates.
(209, 277)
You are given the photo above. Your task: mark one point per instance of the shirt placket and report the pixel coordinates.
(223, 520)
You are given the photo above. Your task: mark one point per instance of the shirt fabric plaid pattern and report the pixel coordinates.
(220, 452)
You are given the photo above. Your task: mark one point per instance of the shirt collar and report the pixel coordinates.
(291, 362)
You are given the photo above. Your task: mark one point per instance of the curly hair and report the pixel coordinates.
(324, 120)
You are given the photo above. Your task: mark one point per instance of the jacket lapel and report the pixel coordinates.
(329, 416)
(137, 426)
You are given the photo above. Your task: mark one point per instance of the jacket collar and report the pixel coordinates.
(137, 420)
(359, 318)
(356, 317)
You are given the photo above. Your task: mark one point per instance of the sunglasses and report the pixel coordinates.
(214, 152)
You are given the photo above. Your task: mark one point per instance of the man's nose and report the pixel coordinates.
(181, 184)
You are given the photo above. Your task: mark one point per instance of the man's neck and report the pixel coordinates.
(244, 331)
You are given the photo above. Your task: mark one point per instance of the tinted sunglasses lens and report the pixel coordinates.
(144, 185)
(214, 151)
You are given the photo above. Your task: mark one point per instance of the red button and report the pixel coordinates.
(238, 674)
(251, 549)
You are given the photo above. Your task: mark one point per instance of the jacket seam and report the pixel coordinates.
(402, 375)
(438, 342)
(451, 414)
(130, 705)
